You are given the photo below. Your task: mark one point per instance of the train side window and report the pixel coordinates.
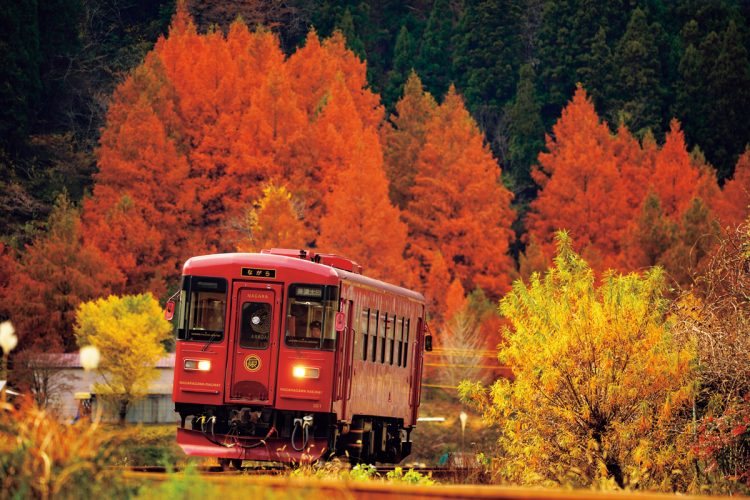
(392, 340)
(400, 338)
(382, 338)
(376, 314)
(310, 322)
(365, 327)
(407, 323)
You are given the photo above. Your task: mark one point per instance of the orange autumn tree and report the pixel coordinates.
(581, 188)
(734, 203)
(675, 226)
(675, 178)
(436, 275)
(52, 277)
(459, 207)
(207, 120)
(405, 137)
(143, 203)
(361, 222)
(275, 222)
(628, 205)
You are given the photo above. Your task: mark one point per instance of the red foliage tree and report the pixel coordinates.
(581, 187)
(195, 132)
(360, 220)
(52, 277)
(275, 222)
(405, 138)
(458, 206)
(675, 178)
(733, 206)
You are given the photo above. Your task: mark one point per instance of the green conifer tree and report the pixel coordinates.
(598, 75)
(353, 42)
(526, 130)
(434, 63)
(403, 62)
(639, 80)
(566, 36)
(487, 53)
(729, 83)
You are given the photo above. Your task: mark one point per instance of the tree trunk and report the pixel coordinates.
(124, 403)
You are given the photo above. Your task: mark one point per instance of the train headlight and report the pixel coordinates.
(305, 372)
(201, 365)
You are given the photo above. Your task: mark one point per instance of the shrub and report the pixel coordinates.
(602, 391)
(41, 457)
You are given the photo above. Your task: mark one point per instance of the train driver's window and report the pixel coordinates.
(205, 307)
(255, 325)
(310, 319)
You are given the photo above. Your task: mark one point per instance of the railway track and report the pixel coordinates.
(273, 482)
(439, 473)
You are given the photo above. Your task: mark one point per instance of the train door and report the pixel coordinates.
(254, 346)
(416, 369)
(344, 360)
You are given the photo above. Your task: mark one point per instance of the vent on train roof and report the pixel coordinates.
(328, 259)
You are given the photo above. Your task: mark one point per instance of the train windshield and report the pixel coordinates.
(310, 322)
(202, 309)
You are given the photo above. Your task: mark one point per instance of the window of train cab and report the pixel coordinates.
(201, 309)
(310, 320)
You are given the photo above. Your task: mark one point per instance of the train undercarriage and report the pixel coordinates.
(237, 433)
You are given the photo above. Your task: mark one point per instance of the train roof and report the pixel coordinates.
(295, 264)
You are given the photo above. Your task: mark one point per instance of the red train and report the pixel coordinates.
(291, 356)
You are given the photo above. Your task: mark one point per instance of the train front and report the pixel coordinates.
(255, 358)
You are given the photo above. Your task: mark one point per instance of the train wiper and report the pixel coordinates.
(210, 339)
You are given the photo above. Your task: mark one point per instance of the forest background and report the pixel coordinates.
(624, 122)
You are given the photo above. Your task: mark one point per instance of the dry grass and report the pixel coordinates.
(41, 457)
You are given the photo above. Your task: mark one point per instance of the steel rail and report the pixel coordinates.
(376, 489)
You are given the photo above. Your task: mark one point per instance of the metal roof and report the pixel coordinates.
(295, 264)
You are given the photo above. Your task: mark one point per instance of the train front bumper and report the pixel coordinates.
(196, 443)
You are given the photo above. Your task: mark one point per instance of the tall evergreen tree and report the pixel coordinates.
(526, 130)
(403, 62)
(598, 75)
(712, 89)
(488, 50)
(20, 60)
(567, 32)
(436, 48)
(639, 82)
(353, 42)
(729, 83)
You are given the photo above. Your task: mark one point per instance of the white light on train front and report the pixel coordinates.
(305, 372)
(201, 365)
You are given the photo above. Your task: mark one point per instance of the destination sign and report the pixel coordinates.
(308, 292)
(253, 272)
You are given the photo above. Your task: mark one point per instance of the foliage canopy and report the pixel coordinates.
(600, 384)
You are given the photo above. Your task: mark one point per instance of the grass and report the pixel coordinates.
(440, 443)
(150, 445)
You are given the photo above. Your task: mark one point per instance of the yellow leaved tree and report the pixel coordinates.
(129, 332)
(602, 391)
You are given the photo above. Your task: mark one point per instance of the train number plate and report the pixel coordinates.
(253, 272)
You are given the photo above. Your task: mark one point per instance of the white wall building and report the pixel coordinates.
(69, 379)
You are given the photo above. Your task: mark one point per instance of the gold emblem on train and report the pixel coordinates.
(252, 363)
